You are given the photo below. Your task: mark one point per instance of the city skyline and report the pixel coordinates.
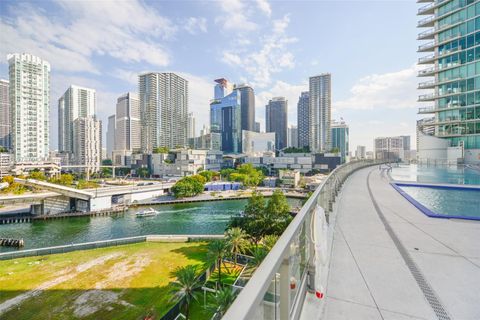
(355, 94)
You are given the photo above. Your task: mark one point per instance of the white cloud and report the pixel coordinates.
(195, 25)
(130, 32)
(392, 90)
(235, 16)
(264, 6)
(272, 57)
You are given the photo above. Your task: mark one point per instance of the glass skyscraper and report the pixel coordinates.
(226, 116)
(276, 112)
(320, 91)
(453, 61)
(303, 120)
(340, 135)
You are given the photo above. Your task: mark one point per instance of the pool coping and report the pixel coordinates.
(426, 211)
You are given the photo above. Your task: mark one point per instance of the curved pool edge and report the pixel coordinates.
(426, 211)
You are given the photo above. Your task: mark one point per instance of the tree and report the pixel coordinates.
(160, 150)
(143, 172)
(258, 254)
(236, 239)
(185, 286)
(189, 186)
(207, 174)
(225, 173)
(107, 162)
(216, 252)
(37, 175)
(3, 149)
(65, 179)
(223, 299)
(269, 241)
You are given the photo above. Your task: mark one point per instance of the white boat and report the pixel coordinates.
(147, 213)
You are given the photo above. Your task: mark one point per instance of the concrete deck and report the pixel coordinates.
(369, 277)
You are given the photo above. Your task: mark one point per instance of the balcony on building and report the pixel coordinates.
(427, 72)
(426, 110)
(429, 46)
(427, 59)
(426, 22)
(426, 85)
(427, 34)
(427, 9)
(427, 97)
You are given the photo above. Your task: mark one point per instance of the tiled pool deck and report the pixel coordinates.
(369, 276)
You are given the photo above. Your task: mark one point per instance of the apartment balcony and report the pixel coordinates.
(427, 97)
(430, 46)
(427, 9)
(426, 110)
(427, 72)
(425, 1)
(428, 59)
(428, 34)
(426, 85)
(426, 22)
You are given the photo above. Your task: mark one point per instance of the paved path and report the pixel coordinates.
(370, 277)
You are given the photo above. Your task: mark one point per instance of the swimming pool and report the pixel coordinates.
(444, 201)
(431, 174)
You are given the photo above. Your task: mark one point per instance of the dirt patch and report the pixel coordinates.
(60, 277)
(91, 301)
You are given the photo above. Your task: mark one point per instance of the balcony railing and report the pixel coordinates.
(426, 46)
(425, 21)
(426, 84)
(278, 287)
(427, 7)
(426, 110)
(430, 57)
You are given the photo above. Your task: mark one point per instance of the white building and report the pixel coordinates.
(191, 126)
(389, 148)
(29, 95)
(111, 135)
(127, 130)
(4, 115)
(184, 162)
(292, 136)
(320, 95)
(164, 110)
(87, 147)
(256, 144)
(76, 102)
(360, 153)
(6, 163)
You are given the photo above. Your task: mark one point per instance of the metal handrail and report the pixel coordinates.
(253, 294)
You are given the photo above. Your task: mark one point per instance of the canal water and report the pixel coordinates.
(185, 218)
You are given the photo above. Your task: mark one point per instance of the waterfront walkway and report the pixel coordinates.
(390, 261)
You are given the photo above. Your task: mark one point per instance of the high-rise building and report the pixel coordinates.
(127, 130)
(111, 135)
(76, 102)
(225, 117)
(4, 115)
(276, 112)
(247, 102)
(87, 145)
(191, 126)
(389, 148)
(29, 95)
(303, 119)
(452, 37)
(257, 126)
(340, 136)
(164, 110)
(360, 153)
(425, 126)
(292, 136)
(320, 95)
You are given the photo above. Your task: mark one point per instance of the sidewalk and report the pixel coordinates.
(370, 278)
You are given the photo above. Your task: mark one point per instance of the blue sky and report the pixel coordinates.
(368, 46)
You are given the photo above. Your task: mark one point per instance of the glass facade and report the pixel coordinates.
(225, 119)
(456, 69)
(340, 139)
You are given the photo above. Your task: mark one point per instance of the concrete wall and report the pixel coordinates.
(56, 205)
(146, 195)
(432, 148)
(101, 203)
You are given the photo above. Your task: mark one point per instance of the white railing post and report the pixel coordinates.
(285, 289)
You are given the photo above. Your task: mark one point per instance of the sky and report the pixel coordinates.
(369, 47)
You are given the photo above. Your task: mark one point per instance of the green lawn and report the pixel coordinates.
(124, 282)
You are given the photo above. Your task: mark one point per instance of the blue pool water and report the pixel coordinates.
(446, 202)
(450, 175)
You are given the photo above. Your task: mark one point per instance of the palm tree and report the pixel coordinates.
(223, 299)
(258, 253)
(269, 241)
(236, 239)
(216, 252)
(186, 285)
